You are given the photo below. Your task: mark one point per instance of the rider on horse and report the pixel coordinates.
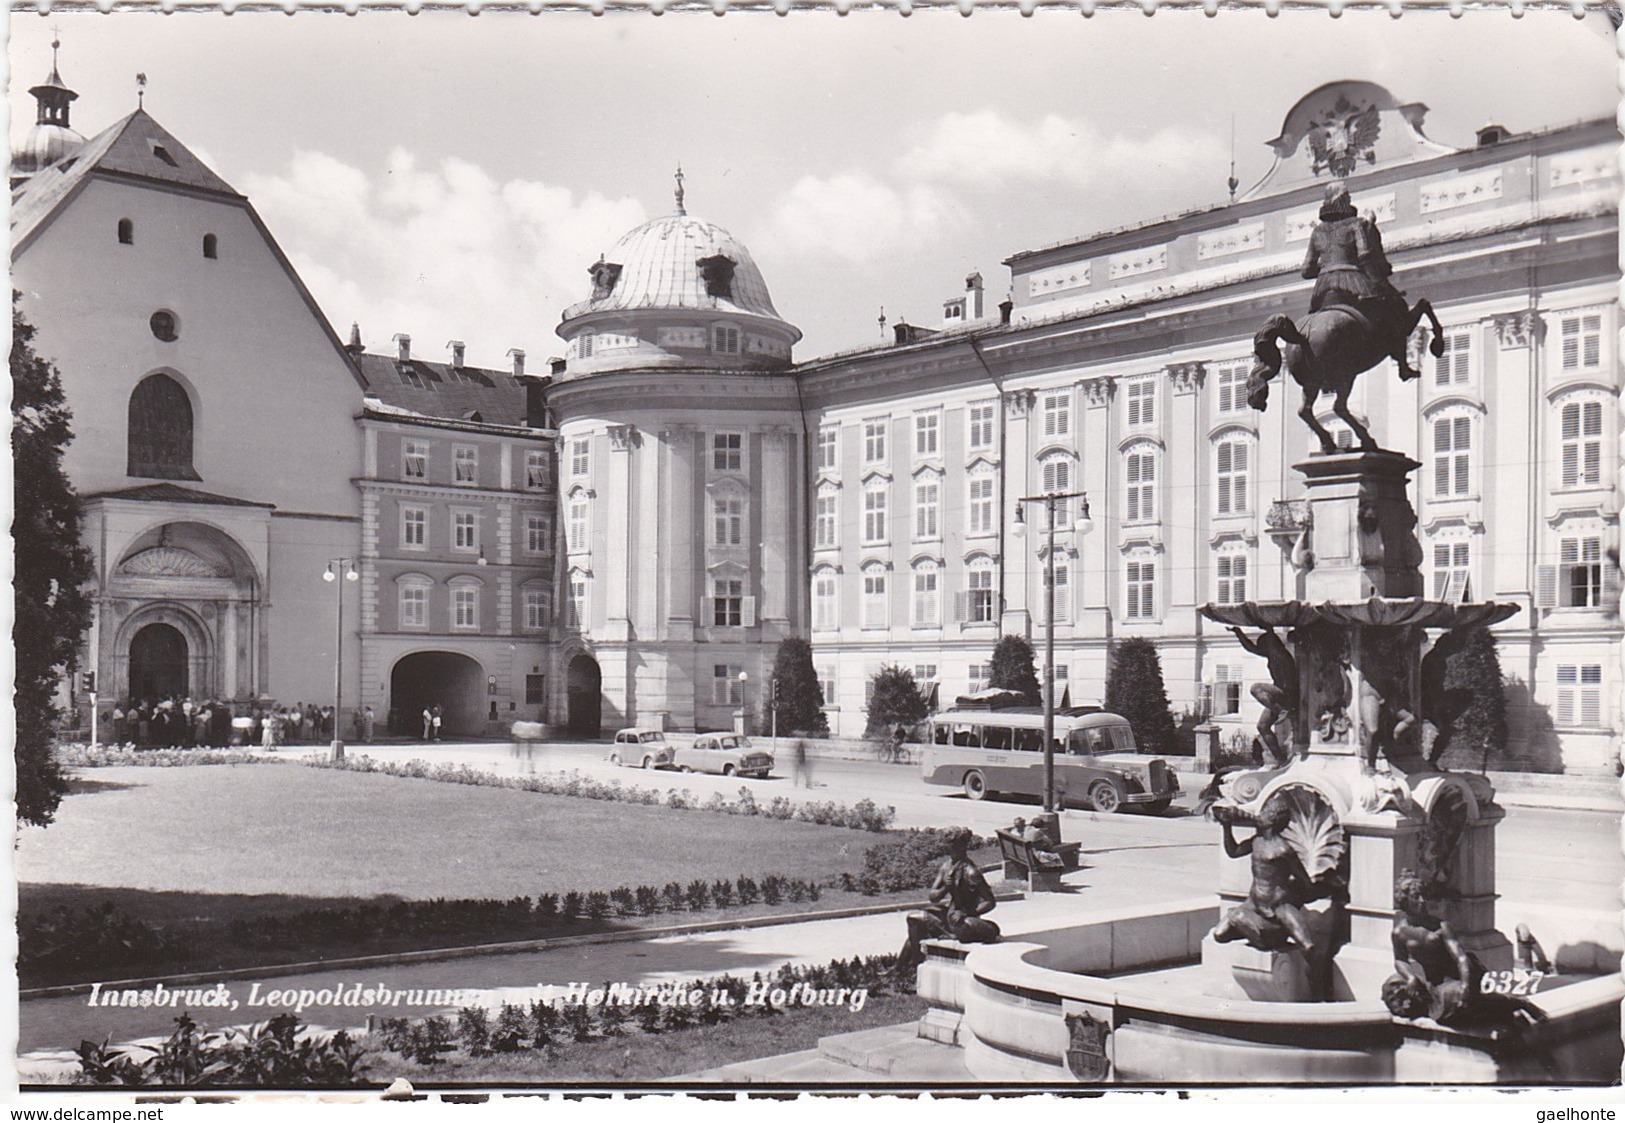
(1347, 263)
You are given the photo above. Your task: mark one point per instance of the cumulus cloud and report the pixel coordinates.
(439, 250)
(855, 217)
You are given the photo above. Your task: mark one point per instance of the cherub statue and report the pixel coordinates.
(1278, 696)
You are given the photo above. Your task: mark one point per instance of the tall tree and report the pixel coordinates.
(52, 567)
(801, 699)
(894, 700)
(1135, 690)
(1478, 730)
(1012, 668)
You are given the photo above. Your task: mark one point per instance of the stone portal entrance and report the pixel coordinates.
(158, 663)
(584, 684)
(425, 679)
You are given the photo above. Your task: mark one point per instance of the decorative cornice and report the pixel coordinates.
(1099, 391)
(169, 561)
(1519, 329)
(1020, 402)
(1187, 378)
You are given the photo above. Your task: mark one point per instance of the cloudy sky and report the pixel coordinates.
(452, 177)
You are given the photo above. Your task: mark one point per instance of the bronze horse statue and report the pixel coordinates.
(1327, 351)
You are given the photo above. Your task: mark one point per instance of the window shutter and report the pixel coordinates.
(1546, 586)
(1571, 465)
(747, 611)
(961, 607)
(1593, 464)
(1610, 587)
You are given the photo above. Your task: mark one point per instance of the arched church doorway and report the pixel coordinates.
(158, 663)
(425, 679)
(583, 684)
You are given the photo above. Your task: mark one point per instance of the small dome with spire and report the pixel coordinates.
(52, 138)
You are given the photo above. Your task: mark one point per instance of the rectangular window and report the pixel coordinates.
(1451, 571)
(538, 532)
(1057, 475)
(824, 604)
(1232, 384)
(1454, 367)
(926, 427)
(535, 690)
(414, 528)
(1231, 478)
(726, 340)
(726, 689)
(828, 444)
(927, 501)
(465, 530)
(874, 441)
(414, 606)
(1057, 407)
(728, 523)
(1232, 571)
(927, 600)
(465, 607)
(1141, 586)
(874, 599)
(981, 505)
(415, 460)
(727, 451)
(1142, 403)
(874, 515)
(727, 602)
(538, 470)
(980, 588)
(924, 674)
(826, 683)
(577, 537)
(1452, 456)
(465, 465)
(1582, 342)
(1224, 693)
(1141, 500)
(1063, 599)
(1579, 694)
(1582, 444)
(580, 456)
(538, 608)
(981, 425)
(1579, 572)
(578, 600)
(978, 675)
(824, 511)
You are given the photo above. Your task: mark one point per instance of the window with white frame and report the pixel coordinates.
(728, 519)
(1579, 571)
(1231, 569)
(414, 528)
(1579, 695)
(875, 603)
(1580, 341)
(578, 599)
(1063, 588)
(538, 470)
(1140, 589)
(979, 491)
(927, 506)
(1141, 398)
(538, 608)
(1057, 477)
(465, 607)
(826, 683)
(1582, 443)
(826, 512)
(1452, 570)
(927, 431)
(726, 687)
(1140, 472)
(465, 530)
(580, 456)
(1231, 381)
(727, 602)
(1232, 456)
(577, 533)
(584, 343)
(1454, 366)
(978, 675)
(1056, 406)
(828, 445)
(825, 605)
(981, 600)
(924, 675)
(1223, 693)
(725, 340)
(414, 603)
(874, 512)
(980, 417)
(1452, 456)
(465, 465)
(727, 451)
(415, 460)
(927, 595)
(538, 532)
(874, 440)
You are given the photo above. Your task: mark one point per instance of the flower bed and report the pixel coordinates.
(80, 755)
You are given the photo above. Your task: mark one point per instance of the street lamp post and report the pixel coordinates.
(744, 714)
(1084, 525)
(346, 566)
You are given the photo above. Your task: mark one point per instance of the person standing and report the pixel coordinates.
(435, 721)
(118, 723)
(803, 769)
(428, 722)
(367, 721)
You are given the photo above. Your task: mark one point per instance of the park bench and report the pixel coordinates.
(1020, 863)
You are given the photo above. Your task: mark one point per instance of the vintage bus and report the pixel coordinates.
(985, 751)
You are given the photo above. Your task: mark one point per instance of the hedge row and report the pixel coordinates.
(80, 755)
(863, 815)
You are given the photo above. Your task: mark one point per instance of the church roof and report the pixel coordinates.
(174, 493)
(444, 392)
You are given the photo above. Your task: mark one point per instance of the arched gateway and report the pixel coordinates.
(425, 679)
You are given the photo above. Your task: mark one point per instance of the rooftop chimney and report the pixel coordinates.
(1006, 306)
(456, 346)
(557, 365)
(403, 348)
(973, 296)
(518, 362)
(354, 346)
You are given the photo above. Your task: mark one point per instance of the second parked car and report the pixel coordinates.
(727, 754)
(646, 748)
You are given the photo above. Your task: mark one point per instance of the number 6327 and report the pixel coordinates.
(1511, 982)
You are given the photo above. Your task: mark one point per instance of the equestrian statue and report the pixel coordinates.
(1356, 320)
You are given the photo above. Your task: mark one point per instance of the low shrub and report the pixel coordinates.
(276, 1053)
(79, 755)
(909, 860)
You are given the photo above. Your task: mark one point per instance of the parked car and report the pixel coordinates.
(645, 748)
(727, 754)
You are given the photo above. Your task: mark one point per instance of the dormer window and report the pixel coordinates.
(162, 153)
(718, 272)
(725, 340)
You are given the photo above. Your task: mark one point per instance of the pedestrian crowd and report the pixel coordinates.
(176, 723)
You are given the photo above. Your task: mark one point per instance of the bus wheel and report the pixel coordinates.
(1103, 797)
(975, 785)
